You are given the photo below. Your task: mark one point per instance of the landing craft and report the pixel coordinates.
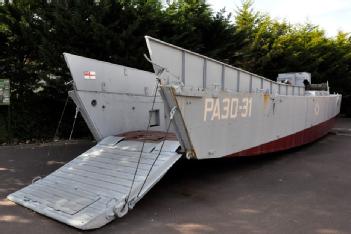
(192, 106)
(244, 113)
(118, 100)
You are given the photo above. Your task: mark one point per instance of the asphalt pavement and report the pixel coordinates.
(305, 190)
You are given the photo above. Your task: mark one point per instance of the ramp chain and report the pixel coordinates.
(171, 114)
(61, 117)
(142, 147)
(74, 123)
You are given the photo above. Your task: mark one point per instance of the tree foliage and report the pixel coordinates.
(35, 33)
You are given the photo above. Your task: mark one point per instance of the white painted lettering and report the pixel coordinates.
(245, 107)
(208, 107)
(234, 108)
(226, 106)
(216, 110)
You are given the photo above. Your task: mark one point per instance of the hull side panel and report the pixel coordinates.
(114, 113)
(294, 140)
(218, 129)
(113, 98)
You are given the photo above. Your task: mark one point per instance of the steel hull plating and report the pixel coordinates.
(115, 99)
(294, 140)
(244, 124)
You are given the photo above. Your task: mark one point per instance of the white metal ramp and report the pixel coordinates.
(91, 190)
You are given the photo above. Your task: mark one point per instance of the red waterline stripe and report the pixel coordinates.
(297, 139)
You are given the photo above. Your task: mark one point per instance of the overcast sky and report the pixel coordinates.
(330, 15)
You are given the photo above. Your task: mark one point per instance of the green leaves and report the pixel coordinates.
(34, 34)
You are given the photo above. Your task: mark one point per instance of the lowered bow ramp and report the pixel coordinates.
(92, 190)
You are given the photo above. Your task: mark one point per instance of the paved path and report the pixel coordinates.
(306, 190)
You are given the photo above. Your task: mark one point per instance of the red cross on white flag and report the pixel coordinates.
(89, 75)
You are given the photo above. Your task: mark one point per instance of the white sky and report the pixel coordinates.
(332, 15)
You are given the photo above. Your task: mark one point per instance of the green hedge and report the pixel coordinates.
(36, 33)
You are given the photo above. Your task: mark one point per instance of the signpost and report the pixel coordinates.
(4, 92)
(5, 95)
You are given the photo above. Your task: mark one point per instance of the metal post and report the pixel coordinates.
(183, 67)
(271, 87)
(222, 78)
(204, 74)
(250, 90)
(238, 82)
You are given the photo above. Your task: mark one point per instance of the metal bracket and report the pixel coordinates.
(172, 112)
(36, 179)
(159, 70)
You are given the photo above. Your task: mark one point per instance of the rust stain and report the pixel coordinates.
(266, 98)
(148, 136)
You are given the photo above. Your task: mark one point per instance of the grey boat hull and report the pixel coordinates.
(225, 111)
(116, 98)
